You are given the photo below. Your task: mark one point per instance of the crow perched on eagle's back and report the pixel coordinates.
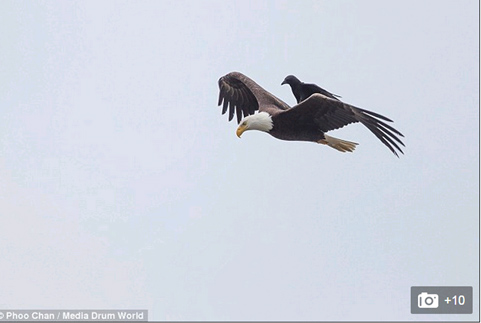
(303, 90)
(309, 120)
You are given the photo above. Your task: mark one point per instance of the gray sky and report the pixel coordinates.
(123, 186)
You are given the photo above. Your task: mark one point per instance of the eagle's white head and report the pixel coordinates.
(260, 121)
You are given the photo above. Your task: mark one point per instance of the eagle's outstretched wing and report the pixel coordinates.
(244, 97)
(325, 114)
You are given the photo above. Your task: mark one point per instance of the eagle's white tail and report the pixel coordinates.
(339, 144)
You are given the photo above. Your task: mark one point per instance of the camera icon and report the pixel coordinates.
(426, 300)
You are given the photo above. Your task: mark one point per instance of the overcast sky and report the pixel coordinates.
(123, 187)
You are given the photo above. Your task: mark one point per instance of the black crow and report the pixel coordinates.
(303, 90)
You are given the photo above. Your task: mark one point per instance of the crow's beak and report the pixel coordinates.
(283, 82)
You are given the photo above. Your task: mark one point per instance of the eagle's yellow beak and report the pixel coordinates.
(240, 130)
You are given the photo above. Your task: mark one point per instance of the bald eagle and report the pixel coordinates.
(306, 121)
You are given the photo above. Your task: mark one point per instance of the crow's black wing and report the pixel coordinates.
(308, 89)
